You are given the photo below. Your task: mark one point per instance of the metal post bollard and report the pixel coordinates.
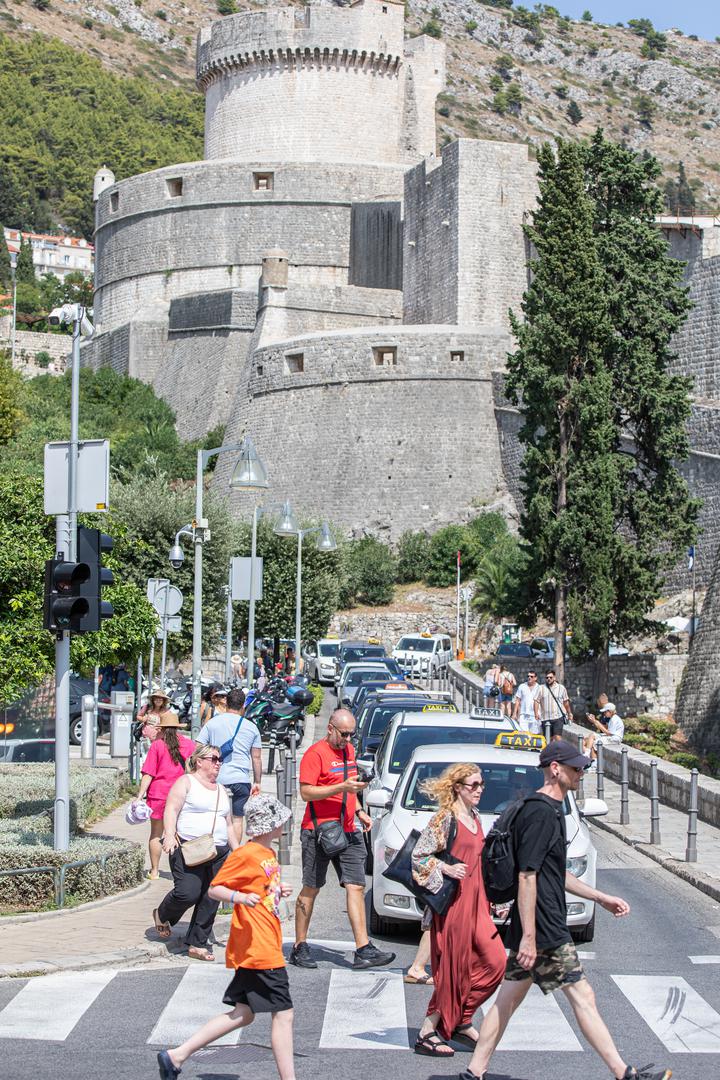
(600, 771)
(624, 787)
(463, 698)
(89, 733)
(547, 730)
(293, 758)
(654, 805)
(691, 849)
(581, 785)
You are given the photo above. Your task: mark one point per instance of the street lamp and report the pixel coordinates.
(252, 474)
(13, 267)
(325, 542)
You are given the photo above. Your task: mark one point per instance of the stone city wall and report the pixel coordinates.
(29, 344)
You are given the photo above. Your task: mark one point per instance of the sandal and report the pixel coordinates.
(460, 1035)
(420, 980)
(163, 929)
(429, 1046)
(198, 953)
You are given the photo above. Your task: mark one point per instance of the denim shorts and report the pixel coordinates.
(239, 795)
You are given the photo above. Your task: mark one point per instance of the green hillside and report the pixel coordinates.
(62, 115)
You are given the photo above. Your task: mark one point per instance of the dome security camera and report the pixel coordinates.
(176, 556)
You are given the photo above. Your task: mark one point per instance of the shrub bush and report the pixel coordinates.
(30, 789)
(689, 761)
(662, 730)
(370, 572)
(316, 704)
(43, 358)
(413, 557)
(442, 555)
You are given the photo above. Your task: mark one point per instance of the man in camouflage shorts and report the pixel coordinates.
(541, 949)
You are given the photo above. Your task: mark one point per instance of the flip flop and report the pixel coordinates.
(423, 980)
(163, 929)
(199, 953)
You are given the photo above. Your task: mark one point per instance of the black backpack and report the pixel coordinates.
(499, 862)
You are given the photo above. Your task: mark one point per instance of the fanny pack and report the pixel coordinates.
(202, 849)
(330, 836)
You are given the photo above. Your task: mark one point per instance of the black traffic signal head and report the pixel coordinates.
(91, 544)
(65, 604)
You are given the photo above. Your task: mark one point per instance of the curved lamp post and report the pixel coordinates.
(325, 542)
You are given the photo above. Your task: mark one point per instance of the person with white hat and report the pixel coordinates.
(155, 706)
(164, 763)
(250, 880)
(611, 728)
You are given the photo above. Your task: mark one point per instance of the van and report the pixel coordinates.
(423, 654)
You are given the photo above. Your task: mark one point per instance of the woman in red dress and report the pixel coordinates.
(468, 956)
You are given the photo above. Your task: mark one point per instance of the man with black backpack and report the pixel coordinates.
(541, 949)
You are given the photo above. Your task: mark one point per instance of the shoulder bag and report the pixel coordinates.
(227, 747)
(202, 849)
(400, 870)
(330, 836)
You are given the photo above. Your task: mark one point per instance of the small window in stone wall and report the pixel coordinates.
(385, 355)
(263, 181)
(260, 369)
(294, 363)
(114, 201)
(174, 187)
(456, 356)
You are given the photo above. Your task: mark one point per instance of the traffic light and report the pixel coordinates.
(91, 545)
(65, 603)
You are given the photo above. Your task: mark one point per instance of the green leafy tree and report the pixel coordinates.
(432, 28)
(496, 83)
(412, 557)
(226, 7)
(504, 66)
(574, 113)
(442, 559)
(645, 109)
(5, 271)
(654, 45)
(370, 571)
(606, 511)
(496, 576)
(10, 397)
(587, 16)
(514, 97)
(25, 268)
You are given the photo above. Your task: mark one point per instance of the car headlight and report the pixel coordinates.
(578, 865)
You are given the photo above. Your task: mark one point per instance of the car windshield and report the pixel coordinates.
(331, 648)
(503, 785)
(360, 651)
(356, 677)
(417, 644)
(510, 648)
(408, 739)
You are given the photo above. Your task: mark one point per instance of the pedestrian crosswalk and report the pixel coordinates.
(363, 1011)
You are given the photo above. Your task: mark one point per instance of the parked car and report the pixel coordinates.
(374, 686)
(354, 675)
(544, 648)
(515, 649)
(379, 709)
(508, 774)
(425, 653)
(17, 751)
(319, 656)
(352, 651)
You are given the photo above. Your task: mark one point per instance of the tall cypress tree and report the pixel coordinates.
(25, 269)
(606, 512)
(5, 274)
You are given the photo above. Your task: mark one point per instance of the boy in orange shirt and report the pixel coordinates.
(249, 879)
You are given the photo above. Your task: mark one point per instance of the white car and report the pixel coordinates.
(319, 657)
(508, 774)
(423, 654)
(383, 667)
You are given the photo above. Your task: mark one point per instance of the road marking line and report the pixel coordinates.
(704, 959)
(49, 1007)
(197, 998)
(365, 1011)
(539, 1024)
(677, 1014)
(586, 955)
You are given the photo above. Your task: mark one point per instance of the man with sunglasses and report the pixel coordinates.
(554, 702)
(526, 706)
(541, 950)
(329, 785)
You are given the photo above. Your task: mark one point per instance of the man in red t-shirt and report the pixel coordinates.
(329, 786)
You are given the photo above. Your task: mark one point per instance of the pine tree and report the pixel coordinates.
(606, 511)
(574, 112)
(5, 273)
(25, 270)
(679, 196)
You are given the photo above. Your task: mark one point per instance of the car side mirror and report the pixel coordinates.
(594, 808)
(377, 800)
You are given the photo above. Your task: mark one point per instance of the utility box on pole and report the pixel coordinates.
(121, 718)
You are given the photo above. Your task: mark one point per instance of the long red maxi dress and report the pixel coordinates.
(467, 954)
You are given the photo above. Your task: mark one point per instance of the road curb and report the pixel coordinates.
(136, 955)
(685, 871)
(38, 916)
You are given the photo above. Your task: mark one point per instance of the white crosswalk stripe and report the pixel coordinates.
(197, 998)
(365, 1010)
(539, 1024)
(681, 1019)
(49, 1007)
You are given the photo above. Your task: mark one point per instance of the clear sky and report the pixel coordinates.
(701, 17)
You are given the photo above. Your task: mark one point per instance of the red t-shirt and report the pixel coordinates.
(322, 766)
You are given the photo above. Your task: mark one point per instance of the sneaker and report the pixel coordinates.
(301, 956)
(370, 956)
(647, 1072)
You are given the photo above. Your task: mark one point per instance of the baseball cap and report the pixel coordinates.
(564, 753)
(609, 707)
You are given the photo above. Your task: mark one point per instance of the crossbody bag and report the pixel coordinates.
(227, 747)
(202, 849)
(330, 836)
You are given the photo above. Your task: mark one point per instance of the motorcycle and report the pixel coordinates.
(277, 717)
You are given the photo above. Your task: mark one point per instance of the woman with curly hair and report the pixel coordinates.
(467, 953)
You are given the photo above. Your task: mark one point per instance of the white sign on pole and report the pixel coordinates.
(168, 600)
(93, 476)
(241, 578)
(174, 625)
(155, 583)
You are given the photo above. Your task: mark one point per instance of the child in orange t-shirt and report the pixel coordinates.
(249, 879)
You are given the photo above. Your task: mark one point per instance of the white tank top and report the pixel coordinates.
(196, 817)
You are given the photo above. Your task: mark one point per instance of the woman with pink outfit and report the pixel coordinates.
(163, 765)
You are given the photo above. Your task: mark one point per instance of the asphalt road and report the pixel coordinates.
(660, 1005)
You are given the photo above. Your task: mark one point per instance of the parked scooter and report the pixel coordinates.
(277, 717)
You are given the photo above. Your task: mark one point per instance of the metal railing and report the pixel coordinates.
(58, 872)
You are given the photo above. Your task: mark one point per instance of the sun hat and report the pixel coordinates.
(169, 719)
(564, 753)
(137, 812)
(263, 813)
(157, 692)
(219, 691)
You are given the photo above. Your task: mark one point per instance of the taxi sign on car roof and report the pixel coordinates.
(374, 641)
(395, 686)
(425, 634)
(520, 740)
(440, 706)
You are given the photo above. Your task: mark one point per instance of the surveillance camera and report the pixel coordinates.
(71, 313)
(176, 556)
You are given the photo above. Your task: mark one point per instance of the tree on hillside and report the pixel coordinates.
(574, 112)
(25, 268)
(679, 196)
(5, 271)
(606, 512)
(10, 396)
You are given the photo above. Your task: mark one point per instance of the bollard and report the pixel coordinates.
(624, 788)
(547, 730)
(691, 849)
(581, 785)
(293, 758)
(280, 784)
(654, 805)
(89, 731)
(463, 698)
(288, 782)
(600, 771)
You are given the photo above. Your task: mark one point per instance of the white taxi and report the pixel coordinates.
(508, 775)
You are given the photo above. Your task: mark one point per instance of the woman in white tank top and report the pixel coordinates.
(196, 805)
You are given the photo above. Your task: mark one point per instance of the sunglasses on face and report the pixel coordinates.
(343, 734)
(213, 760)
(477, 785)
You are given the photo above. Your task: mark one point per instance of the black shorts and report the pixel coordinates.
(239, 795)
(349, 864)
(558, 726)
(261, 989)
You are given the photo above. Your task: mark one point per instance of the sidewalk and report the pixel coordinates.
(115, 931)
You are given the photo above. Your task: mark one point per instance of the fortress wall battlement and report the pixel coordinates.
(698, 343)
